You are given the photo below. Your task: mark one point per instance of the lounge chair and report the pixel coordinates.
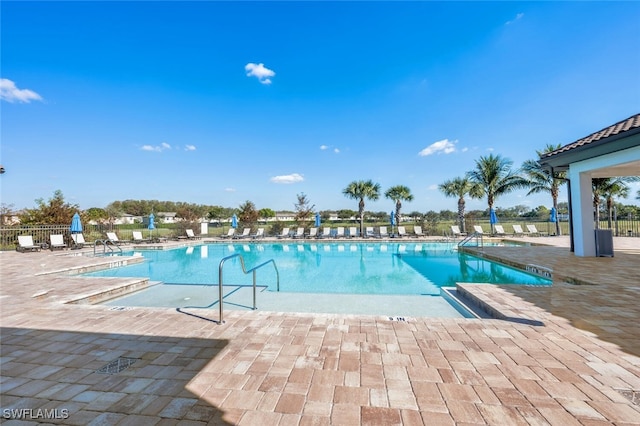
(112, 238)
(368, 232)
(57, 242)
(246, 233)
(326, 232)
(402, 233)
(299, 232)
(25, 243)
(353, 231)
(499, 230)
(478, 229)
(138, 238)
(313, 233)
(78, 242)
(284, 233)
(382, 232)
(259, 234)
(340, 232)
(191, 235)
(230, 233)
(517, 231)
(533, 231)
(417, 231)
(455, 231)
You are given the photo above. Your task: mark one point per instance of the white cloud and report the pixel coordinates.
(432, 187)
(465, 149)
(9, 92)
(326, 147)
(189, 148)
(259, 71)
(286, 179)
(323, 147)
(230, 190)
(336, 150)
(444, 146)
(156, 148)
(517, 18)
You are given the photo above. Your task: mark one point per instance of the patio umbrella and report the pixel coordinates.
(234, 221)
(493, 219)
(152, 225)
(392, 220)
(553, 216)
(318, 220)
(76, 225)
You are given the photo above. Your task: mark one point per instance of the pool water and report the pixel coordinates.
(347, 268)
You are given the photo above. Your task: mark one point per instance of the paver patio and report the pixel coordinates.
(565, 355)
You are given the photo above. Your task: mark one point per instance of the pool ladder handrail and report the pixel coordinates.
(253, 270)
(105, 244)
(468, 238)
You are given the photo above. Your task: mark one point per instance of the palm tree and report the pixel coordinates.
(540, 180)
(460, 187)
(494, 175)
(398, 194)
(608, 189)
(359, 190)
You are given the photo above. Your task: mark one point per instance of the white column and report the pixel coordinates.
(582, 213)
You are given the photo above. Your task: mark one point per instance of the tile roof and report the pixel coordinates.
(623, 126)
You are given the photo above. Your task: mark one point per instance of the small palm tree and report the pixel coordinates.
(494, 175)
(460, 187)
(541, 180)
(398, 194)
(359, 190)
(608, 189)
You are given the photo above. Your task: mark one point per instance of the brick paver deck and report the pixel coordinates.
(564, 355)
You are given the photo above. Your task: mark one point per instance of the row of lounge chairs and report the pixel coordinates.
(325, 232)
(532, 230)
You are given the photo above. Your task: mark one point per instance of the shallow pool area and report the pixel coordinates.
(404, 278)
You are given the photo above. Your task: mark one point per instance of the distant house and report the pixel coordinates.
(127, 219)
(167, 217)
(285, 216)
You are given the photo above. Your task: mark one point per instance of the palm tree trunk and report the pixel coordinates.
(461, 214)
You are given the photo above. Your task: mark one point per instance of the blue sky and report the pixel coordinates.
(222, 102)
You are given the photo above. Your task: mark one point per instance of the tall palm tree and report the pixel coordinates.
(359, 190)
(460, 187)
(494, 175)
(398, 194)
(540, 180)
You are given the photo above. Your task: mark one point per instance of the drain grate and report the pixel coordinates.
(117, 365)
(631, 395)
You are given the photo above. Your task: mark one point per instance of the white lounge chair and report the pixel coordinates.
(533, 231)
(138, 238)
(382, 232)
(417, 231)
(499, 230)
(353, 231)
(78, 241)
(25, 243)
(455, 231)
(478, 229)
(230, 233)
(299, 232)
(57, 242)
(313, 233)
(326, 232)
(284, 233)
(402, 232)
(340, 232)
(112, 238)
(246, 233)
(368, 232)
(191, 235)
(259, 234)
(517, 231)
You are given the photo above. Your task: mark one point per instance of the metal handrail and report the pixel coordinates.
(105, 244)
(246, 272)
(476, 235)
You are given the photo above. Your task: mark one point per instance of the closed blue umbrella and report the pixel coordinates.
(553, 216)
(493, 219)
(234, 221)
(318, 220)
(392, 218)
(76, 225)
(152, 225)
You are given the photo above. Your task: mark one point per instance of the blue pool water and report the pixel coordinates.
(348, 268)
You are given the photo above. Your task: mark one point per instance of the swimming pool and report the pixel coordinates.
(346, 268)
